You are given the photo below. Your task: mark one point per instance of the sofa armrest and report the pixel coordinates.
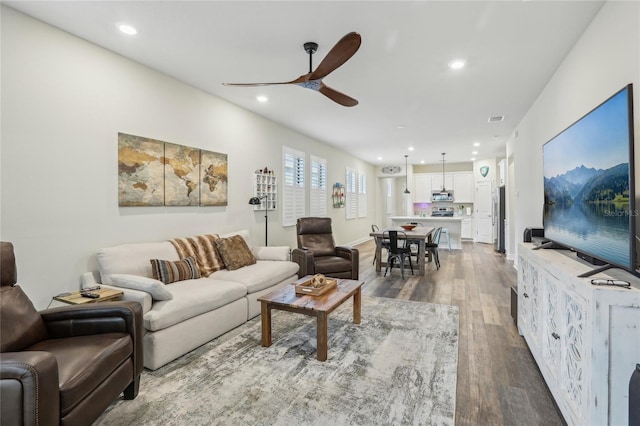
(347, 252)
(97, 318)
(29, 391)
(128, 294)
(271, 253)
(88, 280)
(304, 259)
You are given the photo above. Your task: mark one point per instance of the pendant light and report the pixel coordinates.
(406, 176)
(443, 187)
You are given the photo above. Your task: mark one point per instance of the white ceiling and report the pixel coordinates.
(400, 74)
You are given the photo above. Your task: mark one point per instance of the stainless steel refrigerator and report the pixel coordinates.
(499, 217)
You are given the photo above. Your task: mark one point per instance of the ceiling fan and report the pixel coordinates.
(338, 55)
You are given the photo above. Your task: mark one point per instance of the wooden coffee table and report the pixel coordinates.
(286, 299)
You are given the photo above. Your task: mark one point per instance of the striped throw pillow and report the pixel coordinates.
(169, 272)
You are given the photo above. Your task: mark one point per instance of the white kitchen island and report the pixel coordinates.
(452, 223)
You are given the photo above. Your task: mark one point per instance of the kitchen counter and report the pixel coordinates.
(407, 219)
(452, 223)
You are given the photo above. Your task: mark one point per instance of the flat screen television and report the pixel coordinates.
(589, 198)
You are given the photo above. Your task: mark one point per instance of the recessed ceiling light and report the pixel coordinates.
(400, 126)
(127, 29)
(473, 158)
(410, 148)
(379, 158)
(456, 64)
(476, 144)
(475, 152)
(421, 161)
(262, 98)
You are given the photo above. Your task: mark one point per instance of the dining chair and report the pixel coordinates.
(383, 243)
(445, 232)
(397, 250)
(433, 246)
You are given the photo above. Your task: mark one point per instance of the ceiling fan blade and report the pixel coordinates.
(298, 80)
(338, 55)
(336, 96)
(252, 84)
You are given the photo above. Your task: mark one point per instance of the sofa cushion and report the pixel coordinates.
(154, 287)
(169, 271)
(271, 253)
(235, 252)
(132, 259)
(263, 274)
(192, 298)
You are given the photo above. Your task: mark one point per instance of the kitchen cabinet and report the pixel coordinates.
(466, 231)
(463, 187)
(422, 188)
(460, 183)
(584, 338)
(436, 182)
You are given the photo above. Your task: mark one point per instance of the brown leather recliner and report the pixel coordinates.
(64, 365)
(318, 254)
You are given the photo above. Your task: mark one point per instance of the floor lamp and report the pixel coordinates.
(255, 201)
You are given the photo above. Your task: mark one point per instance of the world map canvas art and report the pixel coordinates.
(157, 173)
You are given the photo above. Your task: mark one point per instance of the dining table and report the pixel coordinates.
(419, 235)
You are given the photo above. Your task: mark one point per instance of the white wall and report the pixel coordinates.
(603, 61)
(63, 103)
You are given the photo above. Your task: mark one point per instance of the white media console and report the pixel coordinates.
(584, 338)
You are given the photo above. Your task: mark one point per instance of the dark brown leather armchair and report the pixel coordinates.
(64, 365)
(318, 254)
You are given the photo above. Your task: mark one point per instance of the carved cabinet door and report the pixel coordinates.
(574, 369)
(550, 326)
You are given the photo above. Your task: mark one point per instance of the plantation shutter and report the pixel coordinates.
(318, 191)
(293, 191)
(351, 201)
(362, 195)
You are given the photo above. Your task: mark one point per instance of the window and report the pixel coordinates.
(318, 191)
(362, 195)
(351, 202)
(293, 191)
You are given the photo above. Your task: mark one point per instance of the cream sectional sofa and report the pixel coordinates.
(199, 309)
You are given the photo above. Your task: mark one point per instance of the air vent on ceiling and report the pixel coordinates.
(496, 118)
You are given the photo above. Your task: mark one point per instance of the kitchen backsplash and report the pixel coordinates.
(426, 209)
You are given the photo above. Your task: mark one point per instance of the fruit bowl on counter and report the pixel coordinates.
(408, 227)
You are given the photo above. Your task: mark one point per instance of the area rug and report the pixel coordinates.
(398, 367)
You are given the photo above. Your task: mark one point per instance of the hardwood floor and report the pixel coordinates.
(498, 380)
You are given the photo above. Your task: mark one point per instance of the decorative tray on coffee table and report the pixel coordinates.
(306, 289)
